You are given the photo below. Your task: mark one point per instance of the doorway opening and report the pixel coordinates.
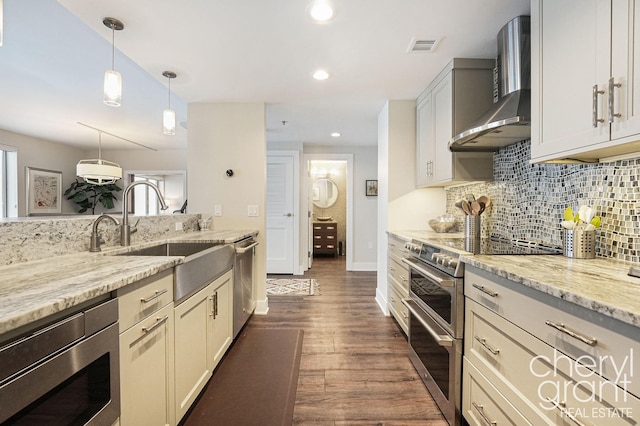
(330, 199)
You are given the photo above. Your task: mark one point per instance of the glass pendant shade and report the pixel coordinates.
(112, 88)
(169, 122)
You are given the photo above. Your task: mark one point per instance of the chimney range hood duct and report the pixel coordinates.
(509, 119)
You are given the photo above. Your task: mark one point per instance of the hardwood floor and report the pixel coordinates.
(354, 368)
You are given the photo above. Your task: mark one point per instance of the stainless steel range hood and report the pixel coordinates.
(509, 119)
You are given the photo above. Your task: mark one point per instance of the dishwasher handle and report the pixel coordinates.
(242, 250)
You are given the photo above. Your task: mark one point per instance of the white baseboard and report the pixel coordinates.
(382, 303)
(364, 266)
(262, 307)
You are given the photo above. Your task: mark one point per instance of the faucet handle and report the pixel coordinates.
(134, 228)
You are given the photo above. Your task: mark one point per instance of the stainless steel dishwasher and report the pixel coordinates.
(244, 302)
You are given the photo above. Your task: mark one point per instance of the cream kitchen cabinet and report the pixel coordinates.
(460, 94)
(529, 355)
(585, 79)
(203, 332)
(397, 281)
(146, 352)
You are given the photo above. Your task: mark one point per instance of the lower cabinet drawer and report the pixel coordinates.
(141, 299)
(400, 273)
(397, 308)
(600, 343)
(541, 382)
(483, 405)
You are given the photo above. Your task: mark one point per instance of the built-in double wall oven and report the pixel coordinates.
(64, 372)
(436, 313)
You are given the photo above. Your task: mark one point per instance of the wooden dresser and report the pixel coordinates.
(325, 238)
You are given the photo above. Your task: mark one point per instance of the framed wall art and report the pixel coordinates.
(371, 188)
(44, 191)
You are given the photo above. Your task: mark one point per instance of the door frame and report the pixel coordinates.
(349, 230)
(296, 204)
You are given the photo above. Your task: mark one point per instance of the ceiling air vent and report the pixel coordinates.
(422, 45)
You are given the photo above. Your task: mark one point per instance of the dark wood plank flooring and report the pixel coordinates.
(354, 368)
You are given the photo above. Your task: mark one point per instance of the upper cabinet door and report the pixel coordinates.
(625, 69)
(425, 137)
(570, 69)
(443, 121)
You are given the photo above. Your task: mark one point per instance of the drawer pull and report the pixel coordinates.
(483, 342)
(480, 410)
(591, 341)
(485, 290)
(403, 278)
(155, 296)
(562, 407)
(158, 323)
(391, 268)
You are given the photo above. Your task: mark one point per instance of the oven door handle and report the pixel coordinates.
(442, 340)
(442, 282)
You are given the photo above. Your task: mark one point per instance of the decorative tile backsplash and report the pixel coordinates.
(528, 200)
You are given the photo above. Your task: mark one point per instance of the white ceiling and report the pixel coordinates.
(55, 53)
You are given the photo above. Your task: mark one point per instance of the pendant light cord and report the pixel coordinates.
(169, 93)
(113, 47)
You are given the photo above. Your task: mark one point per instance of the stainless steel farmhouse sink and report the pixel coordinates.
(203, 263)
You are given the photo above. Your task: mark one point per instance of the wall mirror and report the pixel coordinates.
(325, 193)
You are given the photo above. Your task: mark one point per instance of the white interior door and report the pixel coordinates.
(280, 217)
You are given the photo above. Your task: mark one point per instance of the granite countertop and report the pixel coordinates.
(30, 291)
(600, 284)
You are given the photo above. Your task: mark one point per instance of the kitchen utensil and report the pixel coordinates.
(470, 198)
(484, 199)
(475, 208)
(482, 207)
(466, 207)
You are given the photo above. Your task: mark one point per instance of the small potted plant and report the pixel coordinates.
(88, 195)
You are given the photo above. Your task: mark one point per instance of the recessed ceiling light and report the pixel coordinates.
(321, 11)
(321, 75)
(336, 134)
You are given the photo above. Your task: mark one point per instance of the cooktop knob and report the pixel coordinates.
(452, 264)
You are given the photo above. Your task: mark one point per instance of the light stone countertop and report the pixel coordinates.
(601, 285)
(30, 291)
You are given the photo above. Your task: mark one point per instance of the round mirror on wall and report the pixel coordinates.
(325, 193)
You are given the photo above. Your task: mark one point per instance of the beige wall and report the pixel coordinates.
(226, 136)
(42, 154)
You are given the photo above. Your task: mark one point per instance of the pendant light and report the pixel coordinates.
(98, 171)
(169, 115)
(112, 78)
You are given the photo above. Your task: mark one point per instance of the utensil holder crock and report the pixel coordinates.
(579, 243)
(472, 225)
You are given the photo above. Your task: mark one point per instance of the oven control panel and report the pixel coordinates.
(434, 256)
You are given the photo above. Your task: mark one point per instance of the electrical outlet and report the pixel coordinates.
(252, 210)
(217, 210)
(178, 226)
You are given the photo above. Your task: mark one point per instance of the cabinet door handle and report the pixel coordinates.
(391, 268)
(595, 119)
(155, 296)
(591, 341)
(215, 305)
(158, 323)
(403, 278)
(483, 342)
(612, 113)
(480, 410)
(562, 407)
(485, 290)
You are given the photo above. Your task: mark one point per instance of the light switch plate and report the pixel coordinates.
(178, 226)
(217, 210)
(252, 210)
